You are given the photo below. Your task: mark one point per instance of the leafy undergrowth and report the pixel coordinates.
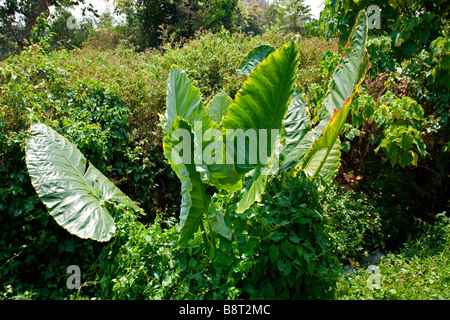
(107, 103)
(418, 271)
(68, 90)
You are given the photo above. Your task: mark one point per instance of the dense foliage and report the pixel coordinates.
(386, 190)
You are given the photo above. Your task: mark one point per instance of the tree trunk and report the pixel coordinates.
(35, 9)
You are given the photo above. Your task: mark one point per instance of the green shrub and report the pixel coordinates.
(419, 271)
(355, 224)
(286, 232)
(401, 121)
(34, 252)
(381, 54)
(273, 254)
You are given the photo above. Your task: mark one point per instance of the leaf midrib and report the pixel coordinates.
(86, 164)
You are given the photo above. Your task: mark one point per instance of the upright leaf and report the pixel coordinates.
(262, 103)
(73, 190)
(194, 201)
(351, 69)
(218, 106)
(346, 80)
(184, 101)
(264, 97)
(254, 57)
(322, 160)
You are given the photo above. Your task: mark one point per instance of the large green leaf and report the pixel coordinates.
(254, 57)
(346, 80)
(262, 103)
(218, 106)
(184, 100)
(351, 69)
(216, 219)
(253, 189)
(73, 190)
(322, 160)
(194, 201)
(302, 146)
(297, 123)
(264, 97)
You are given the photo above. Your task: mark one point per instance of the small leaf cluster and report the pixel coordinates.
(401, 121)
(380, 51)
(294, 258)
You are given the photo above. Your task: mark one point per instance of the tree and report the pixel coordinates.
(297, 14)
(56, 32)
(152, 14)
(220, 14)
(410, 24)
(182, 18)
(18, 17)
(257, 15)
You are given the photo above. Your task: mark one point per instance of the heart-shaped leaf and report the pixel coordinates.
(73, 190)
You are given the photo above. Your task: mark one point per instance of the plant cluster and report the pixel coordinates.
(33, 251)
(273, 254)
(419, 271)
(74, 181)
(77, 93)
(246, 229)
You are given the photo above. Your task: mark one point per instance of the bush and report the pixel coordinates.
(279, 250)
(34, 251)
(419, 271)
(292, 252)
(355, 224)
(111, 114)
(380, 52)
(54, 33)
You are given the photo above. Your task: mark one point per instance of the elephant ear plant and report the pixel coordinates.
(74, 191)
(212, 145)
(231, 145)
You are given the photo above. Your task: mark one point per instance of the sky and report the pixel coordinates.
(101, 6)
(316, 7)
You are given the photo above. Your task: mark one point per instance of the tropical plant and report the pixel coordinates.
(266, 102)
(347, 78)
(77, 194)
(74, 191)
